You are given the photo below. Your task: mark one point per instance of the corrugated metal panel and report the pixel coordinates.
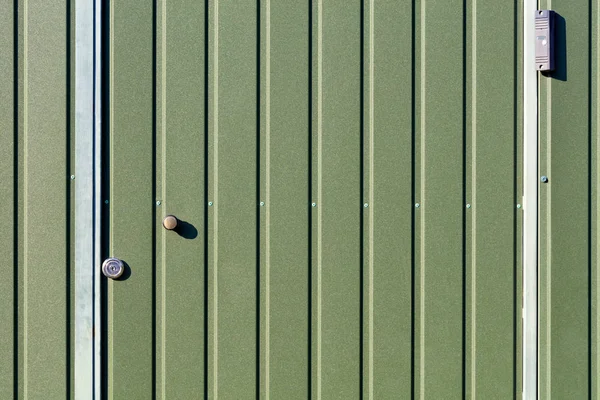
(569, 208)
(295, 141)
(131, 303)
(467, 141)
(285, 189)
(36, 252)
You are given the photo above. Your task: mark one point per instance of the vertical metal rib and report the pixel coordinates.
(595, 186)
(216, 200)
(319, 190)
(422, 197)
(371, 189)
(267, 261)
(163, 186)
(97, 194)
(473, 200)
(25, 191)
(111, 241)
(530, 208)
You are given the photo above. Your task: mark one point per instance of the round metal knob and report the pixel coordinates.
(170, 222)
(113, 268)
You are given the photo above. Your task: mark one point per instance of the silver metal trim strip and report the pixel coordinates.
(85, 342)
(530, 206)
(97, 195)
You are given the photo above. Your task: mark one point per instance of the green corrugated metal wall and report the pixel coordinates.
(362, 108)
(569, 151)
(36, 196)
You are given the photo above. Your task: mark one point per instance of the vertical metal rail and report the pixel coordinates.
(97, 156)
(87, 333)
(530, 206)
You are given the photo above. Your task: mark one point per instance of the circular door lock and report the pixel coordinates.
(113, 268)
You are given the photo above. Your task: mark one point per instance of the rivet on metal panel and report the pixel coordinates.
(262, 203)
(72, 177)
(544, 179)
(158, 202)
(366, 205)
(518, 206)
(314, 204)
(210, 203)
(468, 206)
(417, 205)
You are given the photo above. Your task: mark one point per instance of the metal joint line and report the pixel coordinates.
(530, 208)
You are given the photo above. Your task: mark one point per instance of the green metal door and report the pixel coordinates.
(346, 177)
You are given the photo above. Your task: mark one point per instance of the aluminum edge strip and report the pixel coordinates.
(530, 206)
(84, 200)
(97, 156)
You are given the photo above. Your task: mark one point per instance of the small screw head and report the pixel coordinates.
(366, 205)
(417, 205)
(72, 177)
(314, 204)
(518, 206)
(544, 179)
(468, 206)
(262, 203)
(105, 201)
(210, 203)
(158, 202)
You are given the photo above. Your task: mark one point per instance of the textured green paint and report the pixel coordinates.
(568, 155)
(173, 261)
(7, 176)
(493, 140)
(594, 242)
(295, 306)
(234, 182)
(308, 344)
(35, 142)
(441, 198)
(130, 302)
(284, 189)
(339, 202)
(284, 279)
(44, 267)
(180, 186)
(387, 265)
(466, 105)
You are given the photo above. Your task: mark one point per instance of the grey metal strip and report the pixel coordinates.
(85, 235)
(97, 193)
(530, 206)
